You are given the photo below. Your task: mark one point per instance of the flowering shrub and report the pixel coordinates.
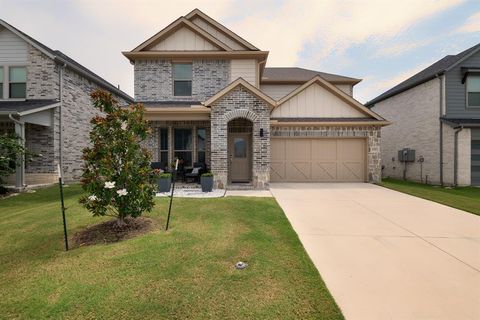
(116, 173)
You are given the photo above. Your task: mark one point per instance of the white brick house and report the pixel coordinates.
(45, 99)
(210, 99)
(436, 112)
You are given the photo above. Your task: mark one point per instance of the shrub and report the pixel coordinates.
(207, 174)
(11, 154)
(117, 174)
(165, 175)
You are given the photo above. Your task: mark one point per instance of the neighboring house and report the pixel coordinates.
(437, 113)
(45, 99)
(210, 98)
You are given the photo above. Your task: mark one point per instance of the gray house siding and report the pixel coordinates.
(456, 90)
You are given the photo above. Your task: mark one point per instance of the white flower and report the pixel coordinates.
(93, 198)
(109, 184)
(122, 192)
(124, 126)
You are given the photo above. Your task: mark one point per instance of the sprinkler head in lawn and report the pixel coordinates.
(240, 265)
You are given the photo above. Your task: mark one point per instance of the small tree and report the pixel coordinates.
(11, 154)
(117, 173)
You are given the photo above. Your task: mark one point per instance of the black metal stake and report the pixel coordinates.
(171, 195)
(63, 214)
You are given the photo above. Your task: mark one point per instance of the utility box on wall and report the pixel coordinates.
(406, 155)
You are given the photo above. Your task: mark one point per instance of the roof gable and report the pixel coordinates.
(217, 29)
(240, 82)
(332, 91)
(181, 29)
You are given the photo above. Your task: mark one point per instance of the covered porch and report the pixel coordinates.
(33, 122)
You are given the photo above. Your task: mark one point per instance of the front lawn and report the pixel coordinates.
(185, 273)
(464, 198)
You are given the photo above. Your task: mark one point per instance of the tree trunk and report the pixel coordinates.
(121, 221)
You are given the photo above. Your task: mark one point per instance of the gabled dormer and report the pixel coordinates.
(192, 59)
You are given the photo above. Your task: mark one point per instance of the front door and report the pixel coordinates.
(239, 155)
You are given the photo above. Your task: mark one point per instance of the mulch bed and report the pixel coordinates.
(109, 231)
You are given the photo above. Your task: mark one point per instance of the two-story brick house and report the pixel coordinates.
(210, 98)
(436, 112)
(45, 99)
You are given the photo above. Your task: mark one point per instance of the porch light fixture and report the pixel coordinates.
(261, 132)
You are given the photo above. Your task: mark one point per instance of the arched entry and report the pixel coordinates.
(240, 155)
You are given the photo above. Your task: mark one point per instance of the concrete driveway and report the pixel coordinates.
(387, 255)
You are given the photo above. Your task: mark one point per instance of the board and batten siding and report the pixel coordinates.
(244, 68)
(184, 40)
(278, 91)
(456, 91)
(316, 102)
(218, 34)
(13, 50)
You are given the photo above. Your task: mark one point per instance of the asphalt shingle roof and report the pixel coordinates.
(22, 106)
(423, 76)
(295, 74)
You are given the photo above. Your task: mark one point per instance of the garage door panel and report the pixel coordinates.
(318, 160)
(324, 171)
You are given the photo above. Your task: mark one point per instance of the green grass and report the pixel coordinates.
(185, 273)
(464, 198)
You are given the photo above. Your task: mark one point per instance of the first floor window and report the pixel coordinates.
(473, 91)
(201, 142)
(183, 146)
(164, 147)
(1, 82)
(17, 82)
(182, 79)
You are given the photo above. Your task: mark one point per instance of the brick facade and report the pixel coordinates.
(154, 80)
(241, 103)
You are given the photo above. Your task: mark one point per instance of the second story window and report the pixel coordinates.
(473, 91)
(17, 82)
(1, 83)
(182, 79)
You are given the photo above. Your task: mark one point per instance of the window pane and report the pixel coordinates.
(1, 82)
(201, 156)
(182, 71)
(473, 84)
(201, 135)
(164, 158)
(182, 88)
(163, 139)
(18, 74)
(18, 90)
(185, 157)
(183, 139)
(1, 74)
(474, 99)
(240, 148)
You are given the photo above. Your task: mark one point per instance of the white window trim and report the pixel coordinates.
(6, 82)
(466, 91)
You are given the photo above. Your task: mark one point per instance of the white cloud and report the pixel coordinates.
(471, 25)
(401, 48)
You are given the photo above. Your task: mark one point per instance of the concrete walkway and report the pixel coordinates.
(387, 255)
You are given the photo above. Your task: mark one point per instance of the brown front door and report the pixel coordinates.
(239, 155)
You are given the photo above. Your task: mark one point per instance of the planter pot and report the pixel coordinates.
(207, 184)
(164, 184)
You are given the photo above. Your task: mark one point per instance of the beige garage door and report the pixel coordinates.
(317, 160)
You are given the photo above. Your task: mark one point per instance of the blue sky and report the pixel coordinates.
(381, 41)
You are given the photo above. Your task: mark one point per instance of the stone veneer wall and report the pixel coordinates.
(371, 133)
(153, 141)
(240, 103)
(154, 80)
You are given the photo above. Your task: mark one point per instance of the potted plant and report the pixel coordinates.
(206, 180)
(164, 182)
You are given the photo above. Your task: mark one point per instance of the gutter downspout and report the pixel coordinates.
(455, 155)
(60, 115)
(20, 168)
(441, 126)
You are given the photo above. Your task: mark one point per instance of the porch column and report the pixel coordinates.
(20, 167)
